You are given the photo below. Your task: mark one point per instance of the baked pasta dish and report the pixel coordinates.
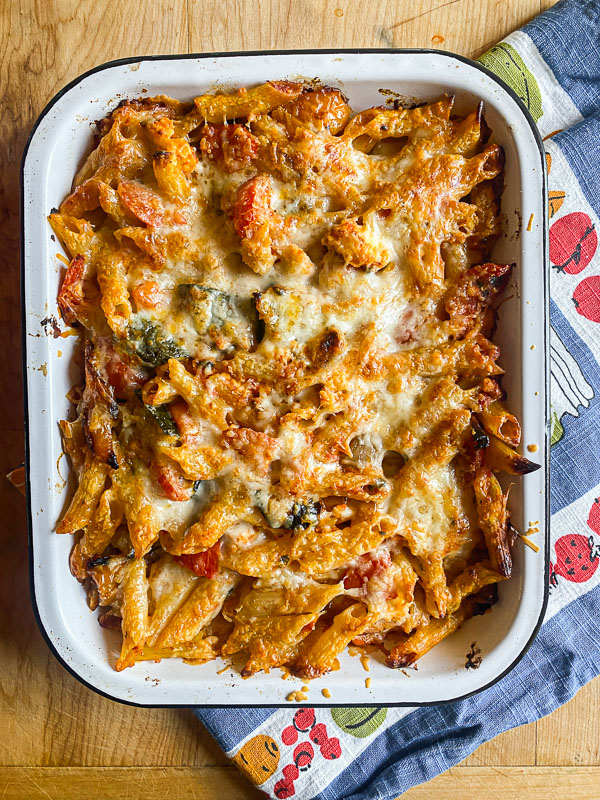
(290, 420)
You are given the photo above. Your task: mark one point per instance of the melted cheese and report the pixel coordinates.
(301, 286)
(426, 514)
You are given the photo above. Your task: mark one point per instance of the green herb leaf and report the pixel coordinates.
(162, 415)
(151, 346)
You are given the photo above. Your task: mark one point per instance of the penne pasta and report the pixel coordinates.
(320, 655)
(289, 423)
(493, 519)
(225, 509)
(501, 457)
(500, 423)
(425, 637)
(197, 610)
(141, 516)
(115, 302)
(103, 525)
(246, 103)
(86, 497)
(76, 235)
(134, 609)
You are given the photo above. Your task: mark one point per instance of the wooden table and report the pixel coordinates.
(57, 738)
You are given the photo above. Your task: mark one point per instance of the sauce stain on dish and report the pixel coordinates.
(50, 326)
(58, 460)
(473, 657)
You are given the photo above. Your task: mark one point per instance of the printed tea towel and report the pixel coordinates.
(553, 64)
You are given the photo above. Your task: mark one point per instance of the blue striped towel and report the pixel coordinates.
(553, 63)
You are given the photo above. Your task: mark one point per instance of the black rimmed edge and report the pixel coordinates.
(357, 51)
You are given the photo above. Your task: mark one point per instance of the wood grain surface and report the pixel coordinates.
(59, 740)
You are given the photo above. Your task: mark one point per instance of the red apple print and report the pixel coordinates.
(290, 771)
(577, 557)
(284, 789)
(304, 752)
(303, 755)
(587, 298)
(304, 719)
(289, 735)
(330, 748)
(594, 517)
(319, 734)
(573, 242)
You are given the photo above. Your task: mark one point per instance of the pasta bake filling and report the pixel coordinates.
(290, 420)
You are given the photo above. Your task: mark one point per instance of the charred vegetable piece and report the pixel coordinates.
(217, 316)
(151, 345)
(162, 415)
(98, 561)
(322, 348)
(501, 457)
(480, 437)
(302, 516)
(282, 512)
(206, 305)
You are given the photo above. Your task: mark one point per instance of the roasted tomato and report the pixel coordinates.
(232, 146)
(187, 425)
(70, 296)
(143, 203)
(120, 372)
(147, 294)
(205, 564)
(364, 569)
(171, 480)
(252, 206)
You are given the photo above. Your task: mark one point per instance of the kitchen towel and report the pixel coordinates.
(553, 64)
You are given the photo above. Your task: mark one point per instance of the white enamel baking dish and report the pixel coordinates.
(59, 141)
